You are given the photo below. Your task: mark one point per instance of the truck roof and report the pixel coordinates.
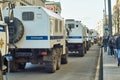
(48, 12)
(70, 20)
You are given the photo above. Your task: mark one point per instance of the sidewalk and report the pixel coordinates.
(111, 71)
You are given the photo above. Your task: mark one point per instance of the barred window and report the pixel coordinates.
(71, 26)
(28, 16)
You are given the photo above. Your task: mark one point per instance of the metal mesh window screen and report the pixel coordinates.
(27, 16)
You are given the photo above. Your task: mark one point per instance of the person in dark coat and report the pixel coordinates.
(111, 45)
(118, 48)
(118, 42)
(115, 49)
(105, 43)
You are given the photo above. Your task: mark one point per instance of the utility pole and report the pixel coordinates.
(105, 25)
(105, 14)
(109, 17)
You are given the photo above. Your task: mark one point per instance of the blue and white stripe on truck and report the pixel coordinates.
(74, 37)
(43, 37)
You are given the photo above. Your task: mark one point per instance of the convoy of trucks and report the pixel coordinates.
(78, 37)
(95, 36)
(88, 38)
(37, 35)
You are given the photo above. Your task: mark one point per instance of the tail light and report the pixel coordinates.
(43, 53)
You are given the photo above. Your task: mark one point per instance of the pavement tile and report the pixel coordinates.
(111, 71)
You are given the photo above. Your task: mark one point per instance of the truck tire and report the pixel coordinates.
(58, 63)
(16, 29)
(81, 52)
(22, 65)
(85, 50)
(51, 66)
(13, 66)
(64, 58)
(1, 61)
(1, 65)
(87, 46)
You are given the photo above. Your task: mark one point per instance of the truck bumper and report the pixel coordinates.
(75, 46)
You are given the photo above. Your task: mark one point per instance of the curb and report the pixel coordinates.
(97, 74)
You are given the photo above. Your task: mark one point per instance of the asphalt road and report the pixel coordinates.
(78, 68)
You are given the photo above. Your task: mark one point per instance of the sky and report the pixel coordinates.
(89, 12)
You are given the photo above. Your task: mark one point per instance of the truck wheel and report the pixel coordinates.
(64, 59)
(85, 49)
(16, 29)
(81, 52)
(51, 66)
(58, 62)
(1, 61)
(22, 65)
(13, 66)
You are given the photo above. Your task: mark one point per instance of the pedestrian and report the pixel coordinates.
(114, 46)
(118, 48)
(105, 43)
(111, 45)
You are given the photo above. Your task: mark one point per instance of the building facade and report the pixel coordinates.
(53, 6)
(116, 17)
(99, 28)
(26, 2)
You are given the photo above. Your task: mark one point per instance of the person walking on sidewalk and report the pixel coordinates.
(105, 43)
(118, 48)
(111, 45)
(114, 46)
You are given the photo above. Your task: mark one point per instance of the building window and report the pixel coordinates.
(28, 16)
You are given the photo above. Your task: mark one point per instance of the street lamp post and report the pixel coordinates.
(105, 16)
(105, 24)
(109, 17)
